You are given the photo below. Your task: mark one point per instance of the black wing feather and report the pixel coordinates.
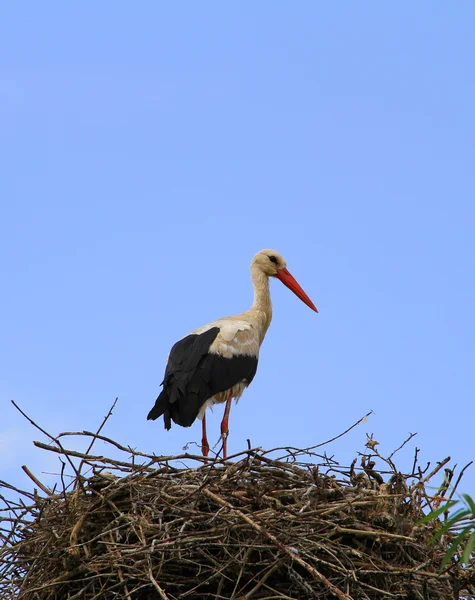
(193, 376)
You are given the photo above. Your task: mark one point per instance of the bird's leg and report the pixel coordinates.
(204, 439)
(224, 424)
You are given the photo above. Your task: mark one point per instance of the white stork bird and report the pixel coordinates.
(216, 363)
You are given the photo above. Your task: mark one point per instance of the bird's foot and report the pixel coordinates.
(204, 447)
(224, 438)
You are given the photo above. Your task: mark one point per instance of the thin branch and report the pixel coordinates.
(52, 438)
(91, 457)
(94, 436)
(160, 591)
(458, 480)
(411, 435)
(336, 437)
(436, 469)
(42, 487)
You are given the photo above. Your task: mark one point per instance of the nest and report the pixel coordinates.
(295, 526)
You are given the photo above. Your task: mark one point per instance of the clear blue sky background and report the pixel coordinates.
(149, 151)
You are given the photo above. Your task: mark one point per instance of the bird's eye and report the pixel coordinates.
(273, 259)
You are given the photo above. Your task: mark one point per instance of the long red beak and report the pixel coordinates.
(288, 280)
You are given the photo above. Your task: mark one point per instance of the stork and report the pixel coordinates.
(217, 362)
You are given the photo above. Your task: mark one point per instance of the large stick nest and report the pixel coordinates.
(297, 526)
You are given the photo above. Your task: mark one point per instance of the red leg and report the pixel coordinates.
(204, 439)
(224, 424)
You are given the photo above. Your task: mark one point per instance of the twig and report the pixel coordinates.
(52, 438)
(112, 442)
(414, 464)
(94, 436)
(155, 584)
(307, 450)
(436, 469)
(9, 486)
(90, 457)
(458, 480)
(382, 534)
(42, 487)
(411, 435)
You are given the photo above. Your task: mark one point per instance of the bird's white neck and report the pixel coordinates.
(262, 305)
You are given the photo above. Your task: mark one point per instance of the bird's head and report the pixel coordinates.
(272, 264)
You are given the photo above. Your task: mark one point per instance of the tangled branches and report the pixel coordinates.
(259, 526)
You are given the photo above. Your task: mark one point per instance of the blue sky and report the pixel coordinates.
(148, 153)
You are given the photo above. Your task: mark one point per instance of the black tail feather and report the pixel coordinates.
(183, 410)
(161, 407)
